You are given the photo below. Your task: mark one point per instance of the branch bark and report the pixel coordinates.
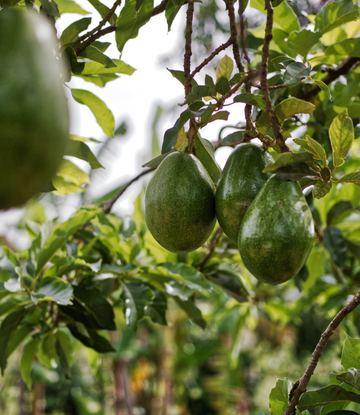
(264, 84)
(300, 386)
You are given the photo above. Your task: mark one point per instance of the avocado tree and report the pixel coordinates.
(296, 76)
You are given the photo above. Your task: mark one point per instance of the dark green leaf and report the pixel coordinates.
(198, 92)
(156, 310)
(53, 289)
(329, 394)
(342, 412)
(296, 172)
(7, 330)
(72, 32)
(100, 8)
(27, 360)
(222, 86)
(92, 339)
(252, 99)
(221, 115)
(62, 350)
(336, 14)
(281, 62)
(287, 159)
(354, 249)
(321, 189)
(179, 75)
(205, 153)
(50, 8)
(232, 284)
(137, 298)
(94, 54)
(170, 138)
(75, 67)
(295, 72)
(172, 9)
(338, 209)
(210, 83)
(131, 20)
(353, 177)
(335, 244)
(81, 151)
(325, 174)
(192, 311)
(157, 160)
(351, 377)
(236, 138)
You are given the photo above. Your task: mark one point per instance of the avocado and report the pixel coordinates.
(180, 203)
(277, 232)
(240, 181)
(34, 118)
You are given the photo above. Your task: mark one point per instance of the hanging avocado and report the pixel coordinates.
(180, 203)
(240, 181)
(34, 119)
(277, 232)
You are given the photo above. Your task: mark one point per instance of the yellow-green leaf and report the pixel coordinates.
(224, 68)
(341, 134)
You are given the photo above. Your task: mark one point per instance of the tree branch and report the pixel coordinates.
(188, 52)
(342, 69)
(214, 241)
(300, 386)
(92, 38)
(160, 8)
(264, 84)
(109, 204)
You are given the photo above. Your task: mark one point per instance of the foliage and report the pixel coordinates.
(85, 279)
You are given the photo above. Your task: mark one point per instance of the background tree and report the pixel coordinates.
(96, 315)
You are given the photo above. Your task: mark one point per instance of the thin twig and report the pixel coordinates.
(188, 52)
(214, 241)
(264, 84)
(211, 56)
(234, 35)
(160, 8)
(109, 204)
(300, 386)
(273, 87)
(92, 38)
(234, 89)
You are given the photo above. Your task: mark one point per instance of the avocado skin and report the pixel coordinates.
(277, 232)
(34, 119)
(240, 182)
(180, 203)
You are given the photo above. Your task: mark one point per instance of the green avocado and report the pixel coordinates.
(277, 232)
(180, 203)
(240, 182)
(34, 119)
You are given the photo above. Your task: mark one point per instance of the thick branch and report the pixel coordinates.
(300, 386)
(188, 52)
(108, 205)
(342, 69)
(264, 84)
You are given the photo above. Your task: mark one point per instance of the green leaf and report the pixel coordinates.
(179, 75)
(287, 159)
(95, 68)
(295, 72)
(336, 14)
(236, 138)
(100, 7)
(99, 80)
(221, 115)
(69, 178)
(321, 189)
(69, 6)
(283, 15)
(313, 147)
(50, 8)
(303, 41)
(351, 377)
(137, 297)
(94, 54)
(199, 92)
(193, 278)
(90, 338)
(72, 32)
(62, 233)
(7, 330)
(97, 305)
(27, 360)
(354, 249)
(224, 69)
(63, 350)
(335, 244)
(353, 177)
(347, 47)
(286, 109)
(76, 67)
(172, 9)
(329, 394)
(296, 172)
(341, 134)
(156, 310)
(205, 153)
(231, 284)
(157, 160)
(53, 289)
(222, 86)
(341, 207)
(103, 115)
(323, 87)
(192, 311)
(350, 357)
(279, 396)
(131, 20)
(252, 99)
(81, 151)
